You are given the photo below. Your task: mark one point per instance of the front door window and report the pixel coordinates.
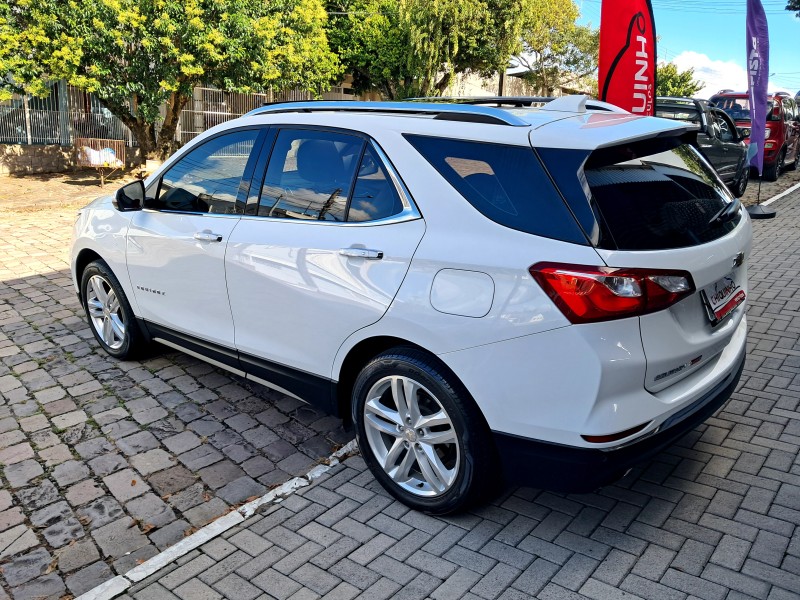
(207, 179)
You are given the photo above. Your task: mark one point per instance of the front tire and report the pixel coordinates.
(741, 184)
(420, 433)
(110, 316)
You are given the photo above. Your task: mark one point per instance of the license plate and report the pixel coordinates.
(722, 297)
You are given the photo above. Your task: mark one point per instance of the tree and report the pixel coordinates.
(672, 82)
(566, 57)
(415, 47)
(793, 5)
(373, 46)
(137, 55)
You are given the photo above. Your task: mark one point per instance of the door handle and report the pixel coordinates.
(361, 253)
(207, 236)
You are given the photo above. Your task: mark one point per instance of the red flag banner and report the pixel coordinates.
(627, 76)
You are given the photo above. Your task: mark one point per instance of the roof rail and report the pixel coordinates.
(680, 100)
(571, 103)
(449, 112)
(516, 101)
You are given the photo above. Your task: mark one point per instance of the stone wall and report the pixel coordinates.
(18, 159)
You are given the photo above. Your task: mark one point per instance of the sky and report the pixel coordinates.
(709, 35)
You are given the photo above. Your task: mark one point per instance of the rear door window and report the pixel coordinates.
(658, 194)
(507, 184)
(374, 196)
(310, 175)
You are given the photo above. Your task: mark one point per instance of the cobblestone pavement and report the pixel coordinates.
(715, 517)
(103, 462)
(769, 188)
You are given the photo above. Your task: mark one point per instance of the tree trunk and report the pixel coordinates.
(144, 136)
(166, 137)
(442, 84)
(144, 133)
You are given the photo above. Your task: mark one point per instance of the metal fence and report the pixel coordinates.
(68, 113)
(210, 106)
(65, 114)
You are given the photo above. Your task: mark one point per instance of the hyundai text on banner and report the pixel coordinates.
(627, 75)
(757, 79)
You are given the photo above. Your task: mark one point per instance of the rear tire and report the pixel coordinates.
(110, 316)
(772, 171)
(421, 434)
(796, 162)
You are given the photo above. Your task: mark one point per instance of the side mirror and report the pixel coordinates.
(130, 197)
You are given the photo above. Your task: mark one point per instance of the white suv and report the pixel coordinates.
(559, 290)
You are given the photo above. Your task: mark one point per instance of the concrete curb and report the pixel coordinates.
(116, 586)
(777, 197)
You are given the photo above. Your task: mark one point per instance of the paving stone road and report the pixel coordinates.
(104, 463)
(715, 517)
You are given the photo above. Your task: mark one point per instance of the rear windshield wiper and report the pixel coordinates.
(726, 213)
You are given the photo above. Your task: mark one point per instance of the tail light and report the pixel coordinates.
(587, 294)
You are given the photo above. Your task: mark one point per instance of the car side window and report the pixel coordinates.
(507, 184)
(207, 179)
(374, 195)
(310, 175)
(726, 127)
(714, 129)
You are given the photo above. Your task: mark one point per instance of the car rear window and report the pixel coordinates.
(679, 113)
(658, 194)
(505, 183)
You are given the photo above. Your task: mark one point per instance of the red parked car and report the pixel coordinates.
(782, 146)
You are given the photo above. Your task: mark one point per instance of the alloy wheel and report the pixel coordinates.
(105, 312)
(411, 436)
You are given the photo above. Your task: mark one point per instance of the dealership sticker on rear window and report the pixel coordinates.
(721, 297)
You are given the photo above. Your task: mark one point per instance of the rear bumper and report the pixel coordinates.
(572, 469)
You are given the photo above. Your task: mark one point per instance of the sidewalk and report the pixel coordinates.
(715, 517)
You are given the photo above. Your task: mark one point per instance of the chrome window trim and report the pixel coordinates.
(194, 214)
(401, 217)
(402, 190)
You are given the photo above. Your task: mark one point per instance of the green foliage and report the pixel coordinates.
(563, 57)
(404, 48)
(373, 47)
(672, 82)
(136, 55)
(793, 5)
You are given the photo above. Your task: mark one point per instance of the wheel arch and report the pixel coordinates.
(355, 360)
(85, 256)
(364, 351)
